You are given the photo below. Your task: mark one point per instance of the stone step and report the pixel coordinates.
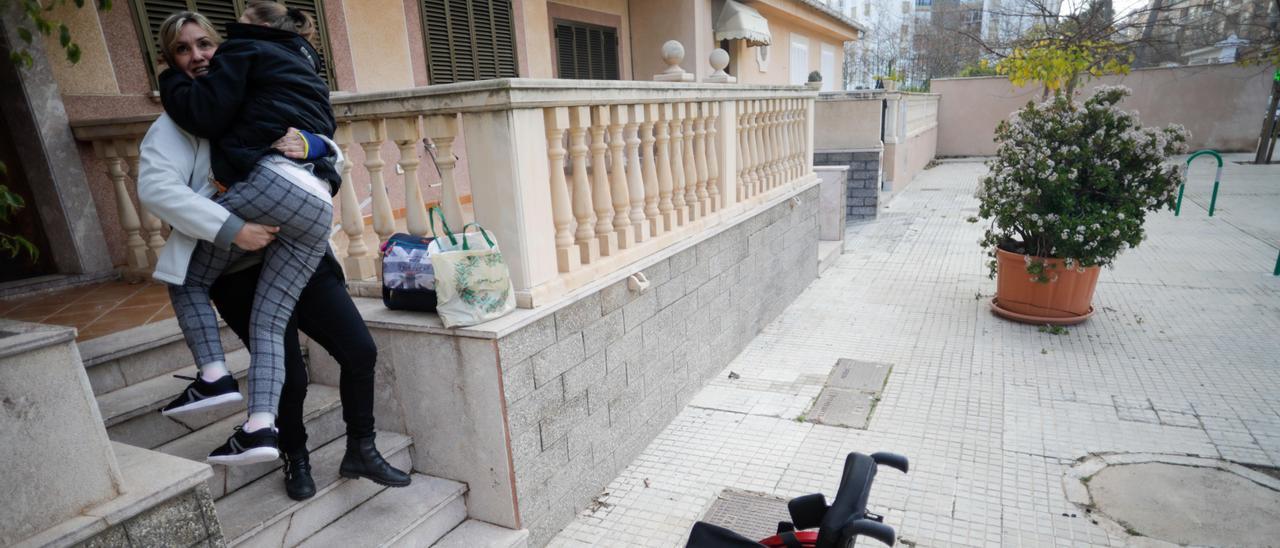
(145, 352)
(149, 481)
(262, 514)
(322, 414)
(417, 515)
(478, 533)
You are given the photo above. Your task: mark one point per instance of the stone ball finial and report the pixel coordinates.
(719, 60)
(673, 55)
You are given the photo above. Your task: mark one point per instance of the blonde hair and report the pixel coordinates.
(172, 27)
(276, 15)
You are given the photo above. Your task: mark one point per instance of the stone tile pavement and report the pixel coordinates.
(1182, 357)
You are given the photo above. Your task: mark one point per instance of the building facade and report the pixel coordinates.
(369, 46)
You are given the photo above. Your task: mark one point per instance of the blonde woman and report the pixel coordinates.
(175, 183)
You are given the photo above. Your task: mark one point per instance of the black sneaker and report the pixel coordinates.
(242, 447)
(201, 395)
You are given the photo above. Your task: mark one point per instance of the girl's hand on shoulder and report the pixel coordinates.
(292, 145)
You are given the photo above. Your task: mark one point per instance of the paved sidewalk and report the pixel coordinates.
(1183, 357)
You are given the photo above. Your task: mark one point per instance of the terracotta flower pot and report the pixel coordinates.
(1064, 300)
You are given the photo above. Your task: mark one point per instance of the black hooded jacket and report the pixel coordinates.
(261, 82)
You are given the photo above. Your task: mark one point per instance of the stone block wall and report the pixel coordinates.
(863, 189)
(188, 519)
(588, 387)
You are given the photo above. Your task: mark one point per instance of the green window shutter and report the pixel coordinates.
(468, 40)
(315, 8)
(586, 52)
(151, 13)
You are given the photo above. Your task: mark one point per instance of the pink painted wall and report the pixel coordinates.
(1222, 105)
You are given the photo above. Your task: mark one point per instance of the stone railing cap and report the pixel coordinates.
(852, 95)
(19, 337)
(510, 93)
(487, 95)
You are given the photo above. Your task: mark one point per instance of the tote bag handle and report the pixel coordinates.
(488, 239)
(444, 223)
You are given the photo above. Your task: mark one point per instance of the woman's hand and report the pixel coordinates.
(291, 145)
(253, 236)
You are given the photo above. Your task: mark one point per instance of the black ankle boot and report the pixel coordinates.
(364, 461)
(297, 475)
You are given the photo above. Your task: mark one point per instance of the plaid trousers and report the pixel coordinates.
(265, 197)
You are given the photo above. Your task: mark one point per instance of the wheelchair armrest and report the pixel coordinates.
(866, 528)
(807, 511)
(892, 460)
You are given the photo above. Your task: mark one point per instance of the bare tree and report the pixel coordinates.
(885, 44)
(1155, 33)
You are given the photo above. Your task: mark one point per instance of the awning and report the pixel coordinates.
(739, 22)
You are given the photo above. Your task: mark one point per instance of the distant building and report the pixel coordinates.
(922, 39)
(1201, 31)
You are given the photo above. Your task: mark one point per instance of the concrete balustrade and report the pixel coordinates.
(576, 179)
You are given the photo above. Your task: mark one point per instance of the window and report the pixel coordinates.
(866, 8)
(468, 40)
(586, 52)
(906, 6)
(827, 64)
(799, 59)
(151, 13)
(924, 3)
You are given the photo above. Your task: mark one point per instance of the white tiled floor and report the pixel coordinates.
(1183, 356)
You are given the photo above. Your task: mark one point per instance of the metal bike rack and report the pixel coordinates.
(1217, 177)
(1213, 200)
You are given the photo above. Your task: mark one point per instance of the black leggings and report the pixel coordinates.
(325, 313)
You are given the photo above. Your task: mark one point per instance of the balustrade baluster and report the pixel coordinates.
(757, 156)
(635, 179)
(797, 151)
(584, 234)
(618, 177)
(650, 168)
(744, 153)
(771, 138)
(666, 206)
(690, 160)
(780, 142)
(764, 161)
(789, 113)
(442, 130)
(136, 248)
(713, 157)
(358, 264)
(677, 164)
(407, 133)
(150, 223)
(556, 119)
(798, 136)
(700, 157)
(600, 182)
(371, 134)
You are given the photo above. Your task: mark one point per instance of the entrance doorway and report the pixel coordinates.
(26, 222)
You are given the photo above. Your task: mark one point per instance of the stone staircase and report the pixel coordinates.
(131, 376)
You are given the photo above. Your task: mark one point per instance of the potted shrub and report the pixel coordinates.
(1069, 190)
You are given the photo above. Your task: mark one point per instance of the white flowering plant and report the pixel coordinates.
(1075, 182)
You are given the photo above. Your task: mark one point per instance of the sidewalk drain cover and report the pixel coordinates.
(1188, 504)
(752, 515)
(850, 393)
